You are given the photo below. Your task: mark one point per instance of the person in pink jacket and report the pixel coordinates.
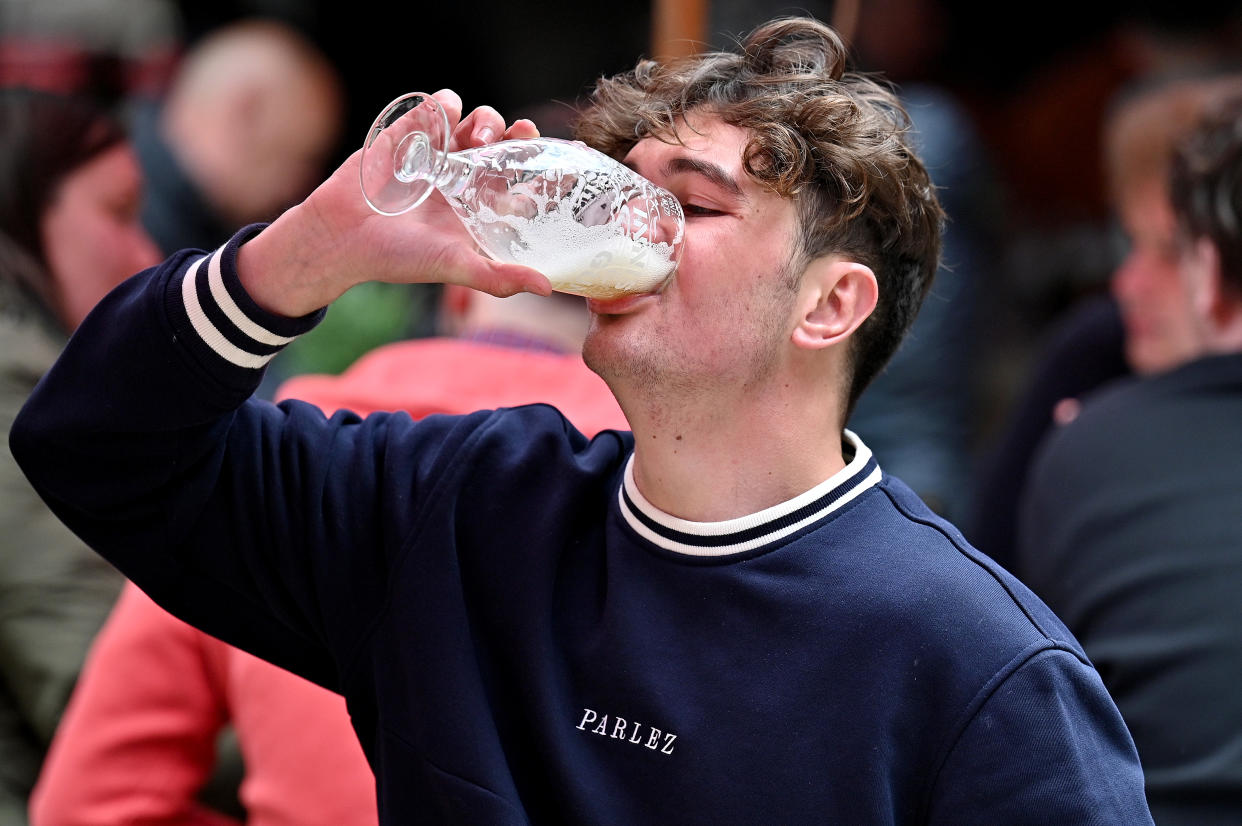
(494, 352)
(138, 738)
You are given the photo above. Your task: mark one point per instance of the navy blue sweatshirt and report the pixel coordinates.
(522, 638)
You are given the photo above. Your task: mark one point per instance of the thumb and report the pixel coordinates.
(503, 279)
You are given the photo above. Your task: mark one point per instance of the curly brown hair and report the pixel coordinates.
(837, 141)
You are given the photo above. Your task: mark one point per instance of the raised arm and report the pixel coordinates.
(234, 513)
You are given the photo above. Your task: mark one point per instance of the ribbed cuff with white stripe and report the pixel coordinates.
(222, 316)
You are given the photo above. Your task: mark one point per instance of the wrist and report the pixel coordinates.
(286, 268)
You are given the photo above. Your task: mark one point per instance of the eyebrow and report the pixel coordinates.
(712, 172)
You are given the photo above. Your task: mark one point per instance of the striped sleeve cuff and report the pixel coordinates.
(220, 320)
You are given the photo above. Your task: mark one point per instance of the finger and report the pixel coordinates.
(455, 263)
(483, 125)
(522, 129)
(510, 279)
(504, 279)
(451, 102)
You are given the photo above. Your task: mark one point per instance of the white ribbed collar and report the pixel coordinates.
(757, 530)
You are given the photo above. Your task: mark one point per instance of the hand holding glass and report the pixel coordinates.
(591, 225)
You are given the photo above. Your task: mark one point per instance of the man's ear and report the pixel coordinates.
(1200, 275)
(836, 297)
(1216, 305)
(1212, 300)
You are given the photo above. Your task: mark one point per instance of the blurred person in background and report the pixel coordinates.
(1138, 326)
(138, 742)
(1129, 527)
(70, 190)
(493, 353)
(1161, 329)
(250, 118)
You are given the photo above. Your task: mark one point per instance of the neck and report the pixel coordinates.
(710, 460)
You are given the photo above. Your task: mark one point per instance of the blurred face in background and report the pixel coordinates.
(280, 149)
(91, 232)
(1160, 325)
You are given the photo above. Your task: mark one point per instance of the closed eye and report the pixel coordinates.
(699, 211)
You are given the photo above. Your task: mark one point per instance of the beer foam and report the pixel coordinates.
(594, 261)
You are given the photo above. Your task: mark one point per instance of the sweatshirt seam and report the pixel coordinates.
(939, 528)
(979, 701)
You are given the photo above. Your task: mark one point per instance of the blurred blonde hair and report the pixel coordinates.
(1147, 124)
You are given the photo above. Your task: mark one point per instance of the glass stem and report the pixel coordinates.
(454, 176)
(417, 160)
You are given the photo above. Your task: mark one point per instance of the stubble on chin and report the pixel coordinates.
(607, 354)
(649, 365)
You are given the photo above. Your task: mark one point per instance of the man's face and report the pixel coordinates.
(724, 318)
(1161, 331)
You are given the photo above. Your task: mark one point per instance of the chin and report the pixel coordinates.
(606, 350)
(595, 352)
